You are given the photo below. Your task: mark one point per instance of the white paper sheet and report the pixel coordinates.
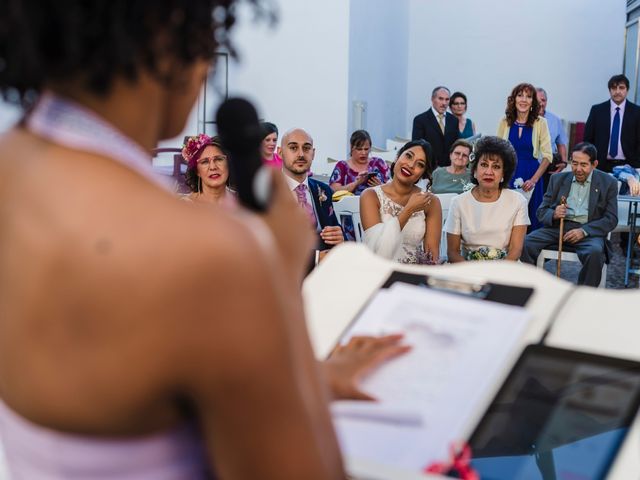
(461, 348)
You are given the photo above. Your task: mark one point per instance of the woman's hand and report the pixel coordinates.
(350, 363)
(419, 201)
(374, 181)
(529, 185)
(361, 178)
(332, 235)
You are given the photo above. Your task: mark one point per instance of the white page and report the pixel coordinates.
(461, 348)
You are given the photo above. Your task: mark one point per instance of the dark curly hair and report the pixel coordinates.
(426, 148)
(47, 41)
(191, 178)
(510, 111)
(490, 146)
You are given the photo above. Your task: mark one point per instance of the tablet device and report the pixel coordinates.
(560, 414)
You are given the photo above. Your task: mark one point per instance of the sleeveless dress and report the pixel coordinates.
(408, 246)
(526, 167)
(35, 452)
(467, 131)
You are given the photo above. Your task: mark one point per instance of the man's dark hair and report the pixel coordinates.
(586, 148)
(617, 79)
(492, 147)
(358, 138)
(43, 42)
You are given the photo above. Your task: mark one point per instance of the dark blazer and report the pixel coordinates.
(321, 194)
(603, 202)
(598, 130)
(426, 126)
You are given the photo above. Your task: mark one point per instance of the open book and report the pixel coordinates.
(558, 313)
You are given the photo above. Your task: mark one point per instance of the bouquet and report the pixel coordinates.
(485, 253)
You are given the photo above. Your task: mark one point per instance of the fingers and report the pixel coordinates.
(332, 235)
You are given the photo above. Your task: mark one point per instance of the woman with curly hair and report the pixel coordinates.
(529, 134)
(488, 222)
(207, 172)
(141, 338)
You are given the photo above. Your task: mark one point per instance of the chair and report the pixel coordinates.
(552, 254)
(176, 169)
(350, 207)
(445, 203)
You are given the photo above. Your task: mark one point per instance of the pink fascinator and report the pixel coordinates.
(193, 146)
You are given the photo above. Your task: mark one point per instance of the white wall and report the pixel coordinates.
(378, 60)
(570, 47)
(297, 73)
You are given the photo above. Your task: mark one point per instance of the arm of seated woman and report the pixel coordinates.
(516, 242)
(433, 228)
(453, 248)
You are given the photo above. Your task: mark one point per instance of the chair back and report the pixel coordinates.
(349, 206)
(172, 165)
(445, 203)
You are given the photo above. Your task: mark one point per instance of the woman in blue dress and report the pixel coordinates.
(529, 134)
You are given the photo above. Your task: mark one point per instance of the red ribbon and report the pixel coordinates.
(459, 465)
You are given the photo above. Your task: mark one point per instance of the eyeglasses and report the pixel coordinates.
(206, 161)
(460, 154)
(459, 103)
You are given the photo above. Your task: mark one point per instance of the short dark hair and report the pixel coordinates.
(97, 41)
(586, 148)
(511, 113)
(495, 146)
(191, 175)
(359, 137)
(455, 95)
(268, 128)
(460, 142)
(617, 79)
(428, 153)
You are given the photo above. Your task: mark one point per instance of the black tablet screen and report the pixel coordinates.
(560, 415)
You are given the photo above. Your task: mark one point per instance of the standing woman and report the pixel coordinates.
(400, 221)
(207, 172)
(270, 156)
(141, 337)
(359, 171)
(458, 106)
(529, 134)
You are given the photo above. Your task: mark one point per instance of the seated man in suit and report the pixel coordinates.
(614, 127)
(438, 127)
(591, 212)
(297, 152)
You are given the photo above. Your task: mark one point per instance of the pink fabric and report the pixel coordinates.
(275, 162)
(301, 194)
(37, 453)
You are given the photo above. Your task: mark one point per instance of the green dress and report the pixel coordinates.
(445, 182)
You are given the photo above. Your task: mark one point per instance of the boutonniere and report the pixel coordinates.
(322, 197)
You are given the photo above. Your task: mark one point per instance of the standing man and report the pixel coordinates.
(614, 127)
(437, 126)
(297, 152)
(591, 212)
(558, 136)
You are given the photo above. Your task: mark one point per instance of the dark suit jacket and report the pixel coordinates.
(426, 126)
(598, 130)
(603, 202)
(321, 194)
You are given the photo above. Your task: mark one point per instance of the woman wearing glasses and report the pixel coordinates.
(359, 171)
(458, 106)
(454, 178)
(207, 172)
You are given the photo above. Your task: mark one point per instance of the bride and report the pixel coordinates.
(402, 222)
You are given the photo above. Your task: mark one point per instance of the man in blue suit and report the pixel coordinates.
(614, 127)
(297, 152)
(590, 213)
